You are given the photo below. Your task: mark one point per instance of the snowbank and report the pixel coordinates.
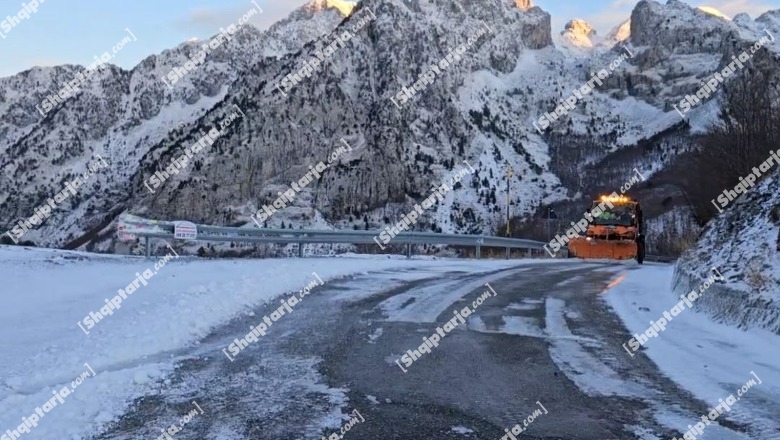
(44, 293)
(709, 359)
(743, 243)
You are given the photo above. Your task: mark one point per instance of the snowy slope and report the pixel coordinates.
(744, 244)
(136, 346)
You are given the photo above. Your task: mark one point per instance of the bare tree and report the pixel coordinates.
(748, 129)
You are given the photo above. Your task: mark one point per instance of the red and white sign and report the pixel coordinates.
(122, 235)
(185, 231)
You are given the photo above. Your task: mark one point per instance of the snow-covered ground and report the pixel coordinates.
(45, 293)
(708, 359)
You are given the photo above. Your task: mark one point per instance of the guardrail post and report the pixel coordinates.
(148, 250)
(529, 253)
(477, 251)
(507, 253)
(300, 250)
(409, 248)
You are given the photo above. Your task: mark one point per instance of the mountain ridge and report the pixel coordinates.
(462, 115)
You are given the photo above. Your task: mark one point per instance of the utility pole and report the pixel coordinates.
(548, 223)
(508, 176)
(549, 210)
(550, 215)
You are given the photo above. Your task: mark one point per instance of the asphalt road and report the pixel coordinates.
(547, 336)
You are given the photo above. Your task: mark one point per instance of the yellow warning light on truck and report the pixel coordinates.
(615, 199)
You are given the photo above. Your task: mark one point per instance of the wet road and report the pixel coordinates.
(545, 339)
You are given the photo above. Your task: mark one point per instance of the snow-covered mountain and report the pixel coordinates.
(121, 115)
(579, 33)
(480, 109)
(618, 34)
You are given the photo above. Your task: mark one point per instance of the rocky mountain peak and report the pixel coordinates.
(579, 33)
(714, 12)
(344, 7)
(579, 26)
(619, 33)
(676, 27)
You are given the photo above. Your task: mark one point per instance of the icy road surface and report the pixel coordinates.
(553, 333)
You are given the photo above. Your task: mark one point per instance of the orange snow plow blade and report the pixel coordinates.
(603, 249)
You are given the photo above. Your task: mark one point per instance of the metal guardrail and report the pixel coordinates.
(160, 229)
(165, 230)
(660, 259)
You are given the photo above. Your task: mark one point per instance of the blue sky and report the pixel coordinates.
(73, 31)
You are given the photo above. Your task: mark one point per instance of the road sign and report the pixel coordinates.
(122, 235)
(185, 231)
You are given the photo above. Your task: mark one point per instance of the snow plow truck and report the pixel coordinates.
(617, 233)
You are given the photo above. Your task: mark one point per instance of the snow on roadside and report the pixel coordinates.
(708, 359)
(46, 292)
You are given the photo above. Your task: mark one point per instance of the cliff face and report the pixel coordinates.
(399, 152)
(119, 115)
